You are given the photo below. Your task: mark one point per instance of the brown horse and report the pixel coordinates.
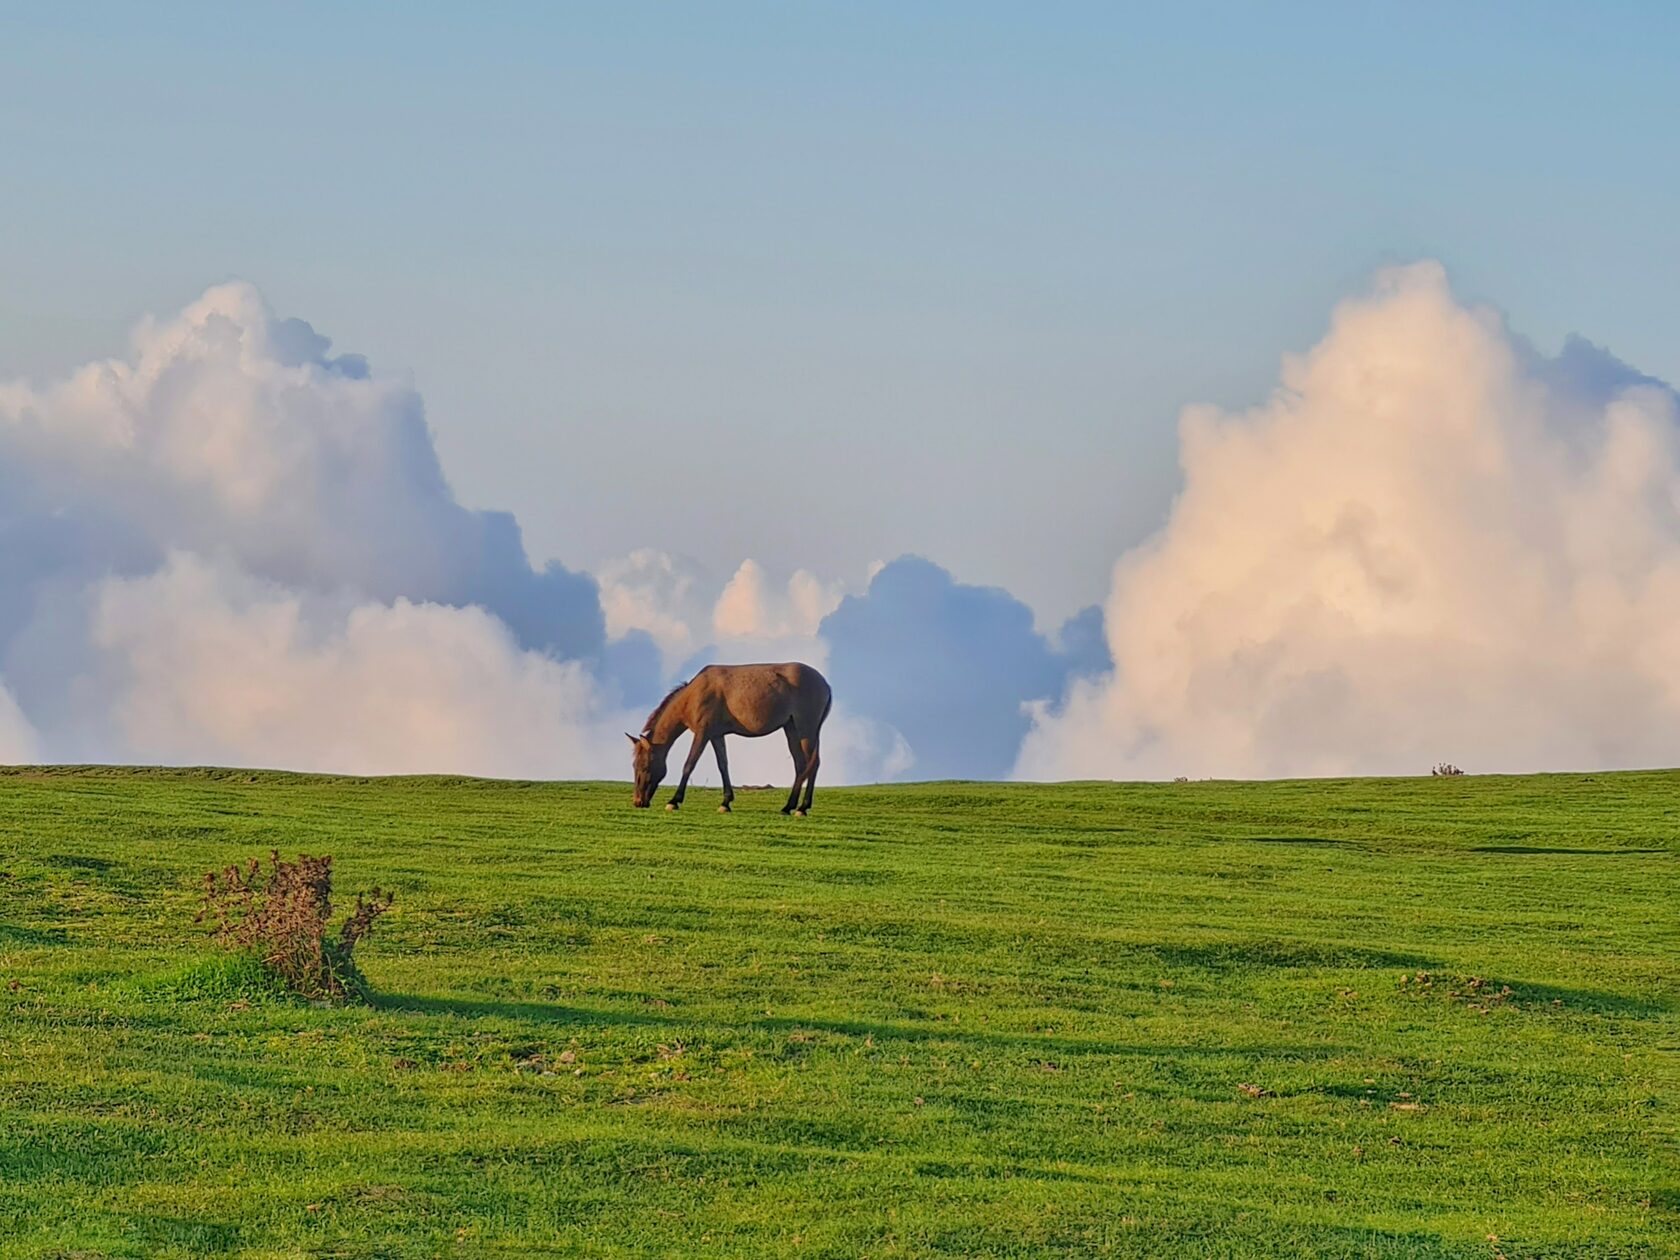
(749, 700)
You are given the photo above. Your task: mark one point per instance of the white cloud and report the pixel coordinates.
(751, 618)
(949, 665)
(232, 432)
(857, 749)
(663, 595)
(18, 744)
(208, 665)
(1430, 544)
(753, 607)
(235, 547)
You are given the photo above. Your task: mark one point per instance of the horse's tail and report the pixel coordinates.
(827, 705)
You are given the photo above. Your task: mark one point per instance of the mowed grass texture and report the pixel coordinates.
(944, 1020)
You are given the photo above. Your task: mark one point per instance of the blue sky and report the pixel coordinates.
(824, 284)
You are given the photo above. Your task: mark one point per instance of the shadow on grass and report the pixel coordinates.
(77, 862)
(529, 1012)
(880, 1030)
(1538, 999)
(1315, 841)
(1043, 1043)
(1596, 1001)
(13, 934)
(1543, 849)
(1276, 955)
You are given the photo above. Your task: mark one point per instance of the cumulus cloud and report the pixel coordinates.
(750, 617)
(663, 596)
(17, 736)
(676, 601)
(752, 607)
(231, 431)
(204, 664)
(1431, 543)
(932, 677)
(949, 666)
(235, 546)
(1083, 641)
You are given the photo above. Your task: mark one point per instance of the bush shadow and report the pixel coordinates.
(528, 1012)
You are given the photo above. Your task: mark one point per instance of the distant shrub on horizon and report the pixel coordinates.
(1445, 770)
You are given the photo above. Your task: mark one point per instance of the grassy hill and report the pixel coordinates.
(944, 1020)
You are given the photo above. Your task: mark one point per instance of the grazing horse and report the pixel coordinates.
(749, 700)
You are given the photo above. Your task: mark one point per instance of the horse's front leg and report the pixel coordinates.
(694, 751)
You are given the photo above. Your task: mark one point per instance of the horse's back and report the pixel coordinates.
(763, 698)
(793, 675)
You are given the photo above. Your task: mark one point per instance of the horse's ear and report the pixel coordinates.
(631, 738)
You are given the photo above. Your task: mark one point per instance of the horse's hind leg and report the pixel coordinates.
(813, 759)
(797, 752)
(723, 770)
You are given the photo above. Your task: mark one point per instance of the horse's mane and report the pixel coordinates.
(647, 726)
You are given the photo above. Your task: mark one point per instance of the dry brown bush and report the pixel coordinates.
(284, 918)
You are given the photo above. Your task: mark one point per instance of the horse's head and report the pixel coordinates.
(648, 761)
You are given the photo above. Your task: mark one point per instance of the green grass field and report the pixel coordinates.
(944, 1020)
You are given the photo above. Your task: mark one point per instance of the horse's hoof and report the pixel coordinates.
(724, 809)
(671, 805)
(799, 813)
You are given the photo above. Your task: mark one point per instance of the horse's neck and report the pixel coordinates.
(668, 723)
